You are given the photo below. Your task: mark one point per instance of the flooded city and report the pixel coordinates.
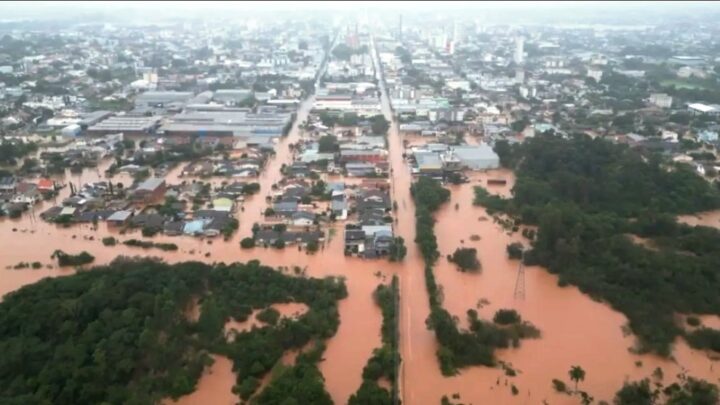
(326, 192)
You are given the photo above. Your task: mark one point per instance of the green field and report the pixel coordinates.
(682, 84)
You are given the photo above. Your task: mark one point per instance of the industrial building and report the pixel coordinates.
(128, 125)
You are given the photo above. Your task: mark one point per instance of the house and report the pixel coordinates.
(285, 208)
(354, 240)
(222, 204)
(373, 199)
(378, 244)
(428, 162)
(46, 186)
(8, 184)
(661, 100)
(339, 207)
(365, 156)
(216, 226)
(358, 169)
(478, 157)
(152, 189)
(174, 228)
(195, 227)
(302, 218)
(297, 169)
(118, 218)
(29, 196)
(154, 221)
(67, 211)
(707, 136)
(269, 236)
(93, 216)
(51, 213)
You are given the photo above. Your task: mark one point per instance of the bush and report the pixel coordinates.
(312, 246)
(36, 265)
(559, 385)
(80, 259)
(149, 231)
(506, 317)
(693, 321)
(279, 244)
(247, 243)
(148, 245)
(109, 241)
(251, 188)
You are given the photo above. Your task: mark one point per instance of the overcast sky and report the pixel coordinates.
(70, 9)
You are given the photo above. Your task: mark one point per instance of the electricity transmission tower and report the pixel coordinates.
(519, 292)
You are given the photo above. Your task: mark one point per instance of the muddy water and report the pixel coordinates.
(214, 387)
(35, 240)
(290, 310)
(709, 218)
(576, 330)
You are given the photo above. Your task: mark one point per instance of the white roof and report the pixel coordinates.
(701, 107)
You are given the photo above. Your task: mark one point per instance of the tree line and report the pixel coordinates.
(585, 195)
(121, 334)
(385, 360)
(457, 348)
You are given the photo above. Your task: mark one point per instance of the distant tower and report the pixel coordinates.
(399, 33)
(519, 50)
(519, 76)
(455, 37)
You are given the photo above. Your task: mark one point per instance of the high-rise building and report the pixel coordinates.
(519, 55)
(399, 33)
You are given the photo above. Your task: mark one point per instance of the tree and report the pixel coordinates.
(692, 391)
(576, 374)
(635, 393)
(515, 250)
(398, 251)
(379, 125)
(559, 385)
(328, 144)
(519, 125)
(506, 317)
(505, 153)
(247, 243)
(466, 259)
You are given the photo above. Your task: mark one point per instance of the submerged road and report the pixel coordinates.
(413, 297)
(253, 208)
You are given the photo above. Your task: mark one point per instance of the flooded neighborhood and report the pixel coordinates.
(301, 147)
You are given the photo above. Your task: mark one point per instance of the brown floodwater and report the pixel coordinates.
(290, 310)
(576, 330)
(214, 387)
(346, 353)
(708, 218)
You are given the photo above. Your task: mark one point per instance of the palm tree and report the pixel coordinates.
(577, 374)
